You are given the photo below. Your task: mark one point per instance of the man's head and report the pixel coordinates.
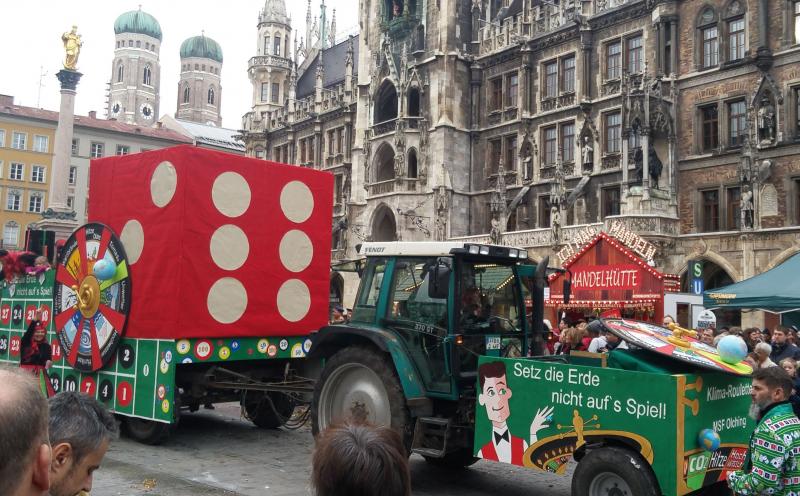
(707, 337)
(762, 351)
(779, 335)
(668, 320)
(612, 338)
(495, 392)
(357, 459)
(770, 385)
(24, 449)
(80, 432)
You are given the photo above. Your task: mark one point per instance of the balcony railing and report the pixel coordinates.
(385, 127)
(392, 186)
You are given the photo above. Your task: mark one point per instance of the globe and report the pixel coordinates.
(708, 440)
(105, 268)
(732, 349)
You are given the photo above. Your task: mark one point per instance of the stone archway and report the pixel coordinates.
(383, 164)
(385, 103)
(384, 225)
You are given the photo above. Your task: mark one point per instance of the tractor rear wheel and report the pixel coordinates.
(359, 383)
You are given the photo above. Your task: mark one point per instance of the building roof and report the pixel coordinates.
(203, 47)
(94, 123)
(333, 62)
(212, 135)
(138, 22)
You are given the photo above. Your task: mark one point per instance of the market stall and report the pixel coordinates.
(608, 275)
(776, 290)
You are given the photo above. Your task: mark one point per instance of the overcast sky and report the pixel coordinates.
(31, 41)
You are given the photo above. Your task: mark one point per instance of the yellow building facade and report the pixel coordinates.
(26, 158)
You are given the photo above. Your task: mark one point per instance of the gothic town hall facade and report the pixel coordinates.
(531, 123)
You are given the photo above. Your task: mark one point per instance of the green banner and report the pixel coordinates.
(537, 414)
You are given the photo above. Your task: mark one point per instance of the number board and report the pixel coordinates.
(138, 381)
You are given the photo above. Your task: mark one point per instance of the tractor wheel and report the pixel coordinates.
(359, 383)
(267, 410)
(613, 471)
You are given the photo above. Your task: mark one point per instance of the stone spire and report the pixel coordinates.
(332, 35)
(309, 26)
(323, 26)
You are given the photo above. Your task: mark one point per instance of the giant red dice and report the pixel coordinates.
(219, 245)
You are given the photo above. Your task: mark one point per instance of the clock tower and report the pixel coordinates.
(135, 71)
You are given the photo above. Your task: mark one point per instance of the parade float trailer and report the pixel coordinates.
(203, 277)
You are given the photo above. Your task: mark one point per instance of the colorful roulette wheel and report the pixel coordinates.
(92, 296)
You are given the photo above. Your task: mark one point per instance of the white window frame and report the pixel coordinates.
(36, 196)
(18, 203)
(76, 147)
(14, 140)
(43, 170)
(36, 148)
(2, 138)
(21, 170)
(6, 239)
(73, 175)
(126, 148)
(92, 149)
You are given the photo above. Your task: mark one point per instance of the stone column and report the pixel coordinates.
(673, 33)
(586, 56)
(58, 217)
(62, 148)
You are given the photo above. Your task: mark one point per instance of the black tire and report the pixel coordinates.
(462, 458)
(359, 361)
(146, 431)
(606, 471)
(268, 410)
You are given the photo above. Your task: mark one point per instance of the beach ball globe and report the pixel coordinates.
(105, 268)
(708, 440)
(732, 349)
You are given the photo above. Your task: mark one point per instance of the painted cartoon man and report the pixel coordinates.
(494, 395)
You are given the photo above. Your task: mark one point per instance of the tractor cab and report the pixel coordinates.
(447, 303)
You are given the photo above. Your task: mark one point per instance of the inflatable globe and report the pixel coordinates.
(732, 349)
(104, 268)
(708, 440)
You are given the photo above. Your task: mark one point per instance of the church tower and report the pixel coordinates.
(135, 71)
(270, 69)
(199, 88)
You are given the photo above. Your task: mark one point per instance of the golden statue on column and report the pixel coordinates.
(72, 47)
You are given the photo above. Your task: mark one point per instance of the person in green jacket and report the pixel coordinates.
(772, 465)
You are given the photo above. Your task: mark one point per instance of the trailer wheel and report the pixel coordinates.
(613, 471)
(268, 410)
(359, 383)
(458, 459)
(146, 431)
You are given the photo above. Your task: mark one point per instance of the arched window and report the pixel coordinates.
(735, 27)
(146, 77)
(186, 94)
(276, 49)
(386, 103)
(412, 164)
(708, 36)
(120, 73)
(266, 44)
(413, 102)
(211, 96)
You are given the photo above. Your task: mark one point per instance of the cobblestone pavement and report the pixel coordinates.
(218, 453)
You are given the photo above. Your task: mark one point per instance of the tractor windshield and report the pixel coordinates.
(488, 298)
